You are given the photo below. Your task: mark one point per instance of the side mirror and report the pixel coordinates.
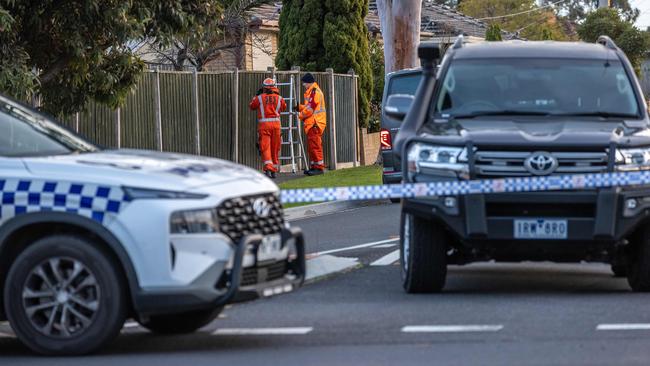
(398, 105)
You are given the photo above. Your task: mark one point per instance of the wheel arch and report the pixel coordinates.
(17, 233)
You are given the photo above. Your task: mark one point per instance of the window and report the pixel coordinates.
(404, 84)
(542, 86)
(25, 133)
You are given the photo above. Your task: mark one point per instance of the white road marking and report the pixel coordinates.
(131, 325)
(325, 265)
(6, 335)
(385, 246)
(264, 331)
(360, 246)
(624, 326)
(387, 260)
(451, 328)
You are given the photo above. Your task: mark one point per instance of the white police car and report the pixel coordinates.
(91, 237)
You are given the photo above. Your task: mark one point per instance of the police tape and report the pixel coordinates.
(460, 188)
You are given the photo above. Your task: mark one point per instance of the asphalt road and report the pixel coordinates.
(490, 314)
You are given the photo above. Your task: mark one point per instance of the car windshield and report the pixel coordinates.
(404, 84)
(536, 87)
(26, 133)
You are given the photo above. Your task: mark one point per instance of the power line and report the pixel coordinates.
(523, 12)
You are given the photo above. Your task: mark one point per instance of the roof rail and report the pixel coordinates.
(460, 42)
(607, 42)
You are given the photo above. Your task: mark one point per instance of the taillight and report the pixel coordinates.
(385, 140)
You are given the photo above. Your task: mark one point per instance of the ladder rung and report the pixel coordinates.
(282, 84)
(288, 143)
(286, 128)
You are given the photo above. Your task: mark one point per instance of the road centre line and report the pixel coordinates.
(387, 260)
(624, 326)
(360, 246)
(6, 335)
(264, 331)
(451, 328)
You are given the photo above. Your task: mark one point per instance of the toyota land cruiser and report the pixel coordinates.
(524, 109)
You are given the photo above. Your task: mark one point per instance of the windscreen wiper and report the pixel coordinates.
(500, 113)
(597, 114)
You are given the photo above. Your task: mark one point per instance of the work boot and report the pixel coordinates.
(313, 172)
(268, 174)
(273, 175)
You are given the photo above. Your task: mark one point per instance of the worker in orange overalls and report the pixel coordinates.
(269, 104)
(312, 114)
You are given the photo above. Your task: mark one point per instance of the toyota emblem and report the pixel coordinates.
(541, 163)
(261, 207)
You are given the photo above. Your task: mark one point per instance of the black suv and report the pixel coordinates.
(522, 109)
(403, 82)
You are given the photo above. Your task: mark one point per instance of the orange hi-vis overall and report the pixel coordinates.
(268, 106)
(313, 115)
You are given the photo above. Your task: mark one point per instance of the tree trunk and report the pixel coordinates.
(400, 28)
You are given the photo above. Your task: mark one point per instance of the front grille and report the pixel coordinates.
(489, 164)
(536, 210)
(255, 275)
(237, 217)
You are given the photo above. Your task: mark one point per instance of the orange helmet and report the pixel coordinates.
(268, 83)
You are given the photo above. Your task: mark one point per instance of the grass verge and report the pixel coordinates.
(361, 176)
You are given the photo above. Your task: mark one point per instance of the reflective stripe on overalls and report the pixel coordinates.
(263, 114)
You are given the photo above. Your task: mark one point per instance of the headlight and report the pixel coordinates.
(194, 222)
(447, 161)
(633, 159)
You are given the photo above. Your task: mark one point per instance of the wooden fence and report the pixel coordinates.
(207, 114)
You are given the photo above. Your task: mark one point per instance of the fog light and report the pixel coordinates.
(631, 204)
(450, 202)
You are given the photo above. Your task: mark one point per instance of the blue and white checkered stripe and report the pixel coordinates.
(19, 196)
(459, 188)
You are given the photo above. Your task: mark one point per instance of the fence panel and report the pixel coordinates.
(249, 83)
(97, 124)
(178, 128)
(216, 115)
(137, 116)
(645, 78)
(346, 118)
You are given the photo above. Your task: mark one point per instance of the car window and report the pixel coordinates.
(25, 133)
(553, 86)
(404, 84)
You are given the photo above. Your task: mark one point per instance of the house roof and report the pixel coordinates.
(437, 20)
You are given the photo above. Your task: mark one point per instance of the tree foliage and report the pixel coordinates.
(76, 50)
(577, 10)
(316, 35)
(493, 33)
(206, 42)
(378, 77)
(535, 24)
(609, 22)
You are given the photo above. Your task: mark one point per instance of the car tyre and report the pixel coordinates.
(423, 255)
(64, 296)
(182, 323)
(638, 262)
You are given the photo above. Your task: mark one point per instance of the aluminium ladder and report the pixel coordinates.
(294, 132)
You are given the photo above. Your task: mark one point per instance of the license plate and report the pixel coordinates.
(541, 229)
(270, 248)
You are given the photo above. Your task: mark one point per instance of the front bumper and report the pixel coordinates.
(227, 286)
(592, 215)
